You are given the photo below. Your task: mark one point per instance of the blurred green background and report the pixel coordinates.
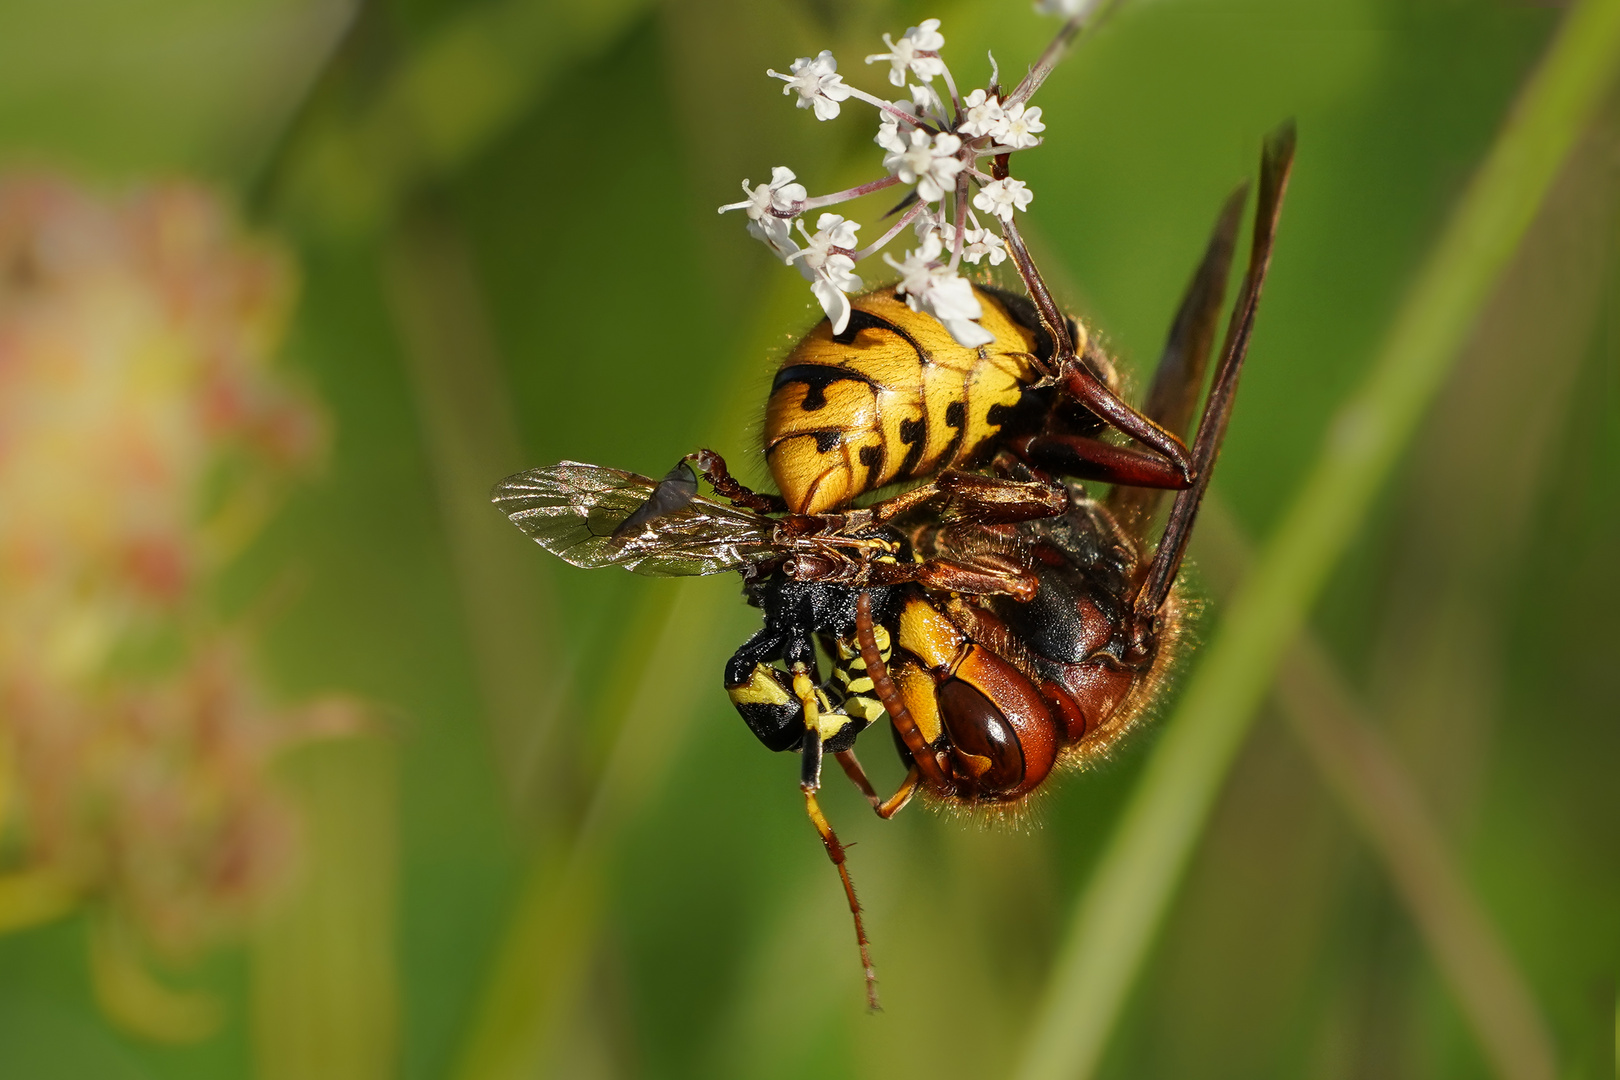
(560, 853)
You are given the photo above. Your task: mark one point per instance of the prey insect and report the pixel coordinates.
(1006, 622)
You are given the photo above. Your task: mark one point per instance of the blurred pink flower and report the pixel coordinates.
(143, 433)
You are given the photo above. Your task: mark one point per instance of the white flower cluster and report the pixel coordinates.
(936, 144)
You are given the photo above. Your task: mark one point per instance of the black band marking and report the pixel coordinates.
(864, 320)
(955, 417)
(816, 378)
(872, 458)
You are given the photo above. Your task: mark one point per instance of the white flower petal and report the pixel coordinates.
(982, 114)
(817, 83)
(931, 287)
(904, 55)
(889, 137)
(833, 302)
(926, 35)
(775, 234)
(968, 333)
(1021, 127)
(1002, 197)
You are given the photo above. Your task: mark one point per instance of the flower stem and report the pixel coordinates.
(839, 196)
(890, 108)
(894, 230)
(1117, 916)
(950, 84)
(957, 244)
(1054, 52)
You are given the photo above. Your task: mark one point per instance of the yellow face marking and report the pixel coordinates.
(977, 765)
(868, 709)
(929, 636)
(917, 688)
(761, 689)
(831, 724)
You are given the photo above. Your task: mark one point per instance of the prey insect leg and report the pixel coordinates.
(804, 688)
(835, 852)
(713, 468)
(809, 781)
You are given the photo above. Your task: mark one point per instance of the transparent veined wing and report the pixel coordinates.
(576, 511)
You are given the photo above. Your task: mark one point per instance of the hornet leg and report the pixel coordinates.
(886, 808)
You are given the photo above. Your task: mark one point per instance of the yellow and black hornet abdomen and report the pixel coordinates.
(892, 398)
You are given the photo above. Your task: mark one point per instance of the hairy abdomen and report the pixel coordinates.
(892, 398)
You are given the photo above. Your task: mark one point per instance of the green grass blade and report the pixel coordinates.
(325, 995)
(1387, 805)
(1119, 912)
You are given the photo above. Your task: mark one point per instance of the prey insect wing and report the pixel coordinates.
(575, 511)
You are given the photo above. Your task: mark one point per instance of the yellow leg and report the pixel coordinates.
(805, 691)
(835, 852)
(809, 782)
(810, 764)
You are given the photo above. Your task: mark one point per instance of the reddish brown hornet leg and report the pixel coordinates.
(835, 852)
(888, 693)
(994, 500)
(987, 575)
(1092, 459)
(972, 497)
(992, 576)
(1081, 384)
(885, 808)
